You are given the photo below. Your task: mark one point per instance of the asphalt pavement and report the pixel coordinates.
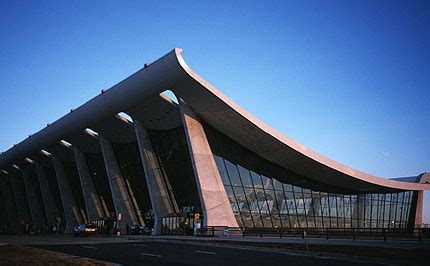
(158, 252)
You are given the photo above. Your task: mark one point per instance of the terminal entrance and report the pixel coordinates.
(178, 225)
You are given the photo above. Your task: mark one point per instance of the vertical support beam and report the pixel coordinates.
(33, 202)
(10, 204)
(158, 192)
(120, 197)
(52, 212)
(4, 219)
(71, 210)
(91, 198)
(419, 209)
(20, 201)
(216, 207)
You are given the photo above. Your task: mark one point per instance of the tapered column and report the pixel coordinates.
(71, 210)
(4, 219)
(51, 210)
(216, 206)
(419, 209)
(10, 204)
(91, 198)
(120, 197)
(37, 215)
(20, 201)
(161, 203)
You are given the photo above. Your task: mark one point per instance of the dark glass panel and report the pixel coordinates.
(233, 173)
(256, 180)
(222, 171)
(75, 186)
(131, 167)
(267, 182)
(98, 174)
(174, 158)
(277, 185)
(245, 177)
(230, 195)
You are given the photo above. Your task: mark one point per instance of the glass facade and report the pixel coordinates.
(75, 185)
(99, 177)
(172, 153)
(53, 184)
(35, 182)
(264, 196)
(128, 158)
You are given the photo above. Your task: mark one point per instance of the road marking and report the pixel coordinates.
(89, 247)
(140, 245)
(151, 255)
(205, 252)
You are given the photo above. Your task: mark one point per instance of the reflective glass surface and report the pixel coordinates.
(128, 158)
(173, 157)
(262, 197)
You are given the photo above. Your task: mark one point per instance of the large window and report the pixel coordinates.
(173, 157)
(263, 195)
(131, 167)
(99, 177)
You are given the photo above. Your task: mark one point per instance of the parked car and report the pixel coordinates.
(86, 230)
(139, 230)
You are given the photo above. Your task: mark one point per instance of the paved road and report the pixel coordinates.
(157, 252)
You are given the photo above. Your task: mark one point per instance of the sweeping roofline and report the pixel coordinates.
(166, 73)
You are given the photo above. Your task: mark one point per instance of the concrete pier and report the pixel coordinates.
(51, 210)
(9, 201)
(215, 204)
(120, 197)
(20, 200)
(160, 201)
(71, 210)
(91, 198)
(36, 211)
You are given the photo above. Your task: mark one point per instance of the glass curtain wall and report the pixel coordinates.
(35, 182)
(53, 184)
(265, 199)
(98, 174)
(172, 153)
(128, 158)
(75, 185)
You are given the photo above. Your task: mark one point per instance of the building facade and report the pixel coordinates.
(137, 155)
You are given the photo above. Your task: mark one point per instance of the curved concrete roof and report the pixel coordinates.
(137, 93)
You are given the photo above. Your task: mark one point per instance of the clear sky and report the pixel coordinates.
(348, 79)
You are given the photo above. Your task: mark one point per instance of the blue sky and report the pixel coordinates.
(349, 79)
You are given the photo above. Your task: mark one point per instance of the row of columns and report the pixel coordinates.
(215, 204)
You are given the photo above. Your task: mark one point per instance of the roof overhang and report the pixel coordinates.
(139, 96)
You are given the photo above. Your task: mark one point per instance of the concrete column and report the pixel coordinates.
(20, 200)
(10, 204)
(36, 211)
(4, 220)
(215, 204)
(120, 197)
(71, 210)
(419, 209)
(158, 192)
(91, 198)
(51, 210)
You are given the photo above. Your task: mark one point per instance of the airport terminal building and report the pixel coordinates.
(136, 155)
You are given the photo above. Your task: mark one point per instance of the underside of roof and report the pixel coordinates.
(139, 97)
